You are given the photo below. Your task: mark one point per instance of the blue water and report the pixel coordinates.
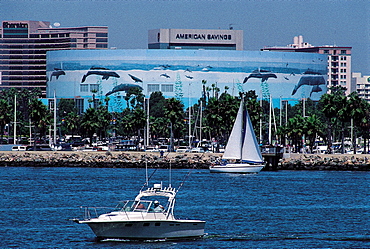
(285, 209)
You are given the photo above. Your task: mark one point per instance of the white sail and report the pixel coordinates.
(235, 143)
(251, 151)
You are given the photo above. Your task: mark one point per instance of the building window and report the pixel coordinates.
(153, 87)
(101, 45)
(343, 64)
(167, 88)
(326, 51)
(101, 35)
(94, 87)
(102, 40)
(343, 51)
(80, 105)
(84, 88)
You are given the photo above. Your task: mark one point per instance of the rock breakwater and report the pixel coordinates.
(342, 162)
(175, 160)
(106, 159)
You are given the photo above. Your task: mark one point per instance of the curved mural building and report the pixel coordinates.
(80, 74)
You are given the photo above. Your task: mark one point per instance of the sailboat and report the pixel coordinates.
(242, 148)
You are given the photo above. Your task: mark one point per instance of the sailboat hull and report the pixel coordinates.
(239, 168)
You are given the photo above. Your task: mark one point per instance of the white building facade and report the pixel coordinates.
(338, 60)
(209, 39)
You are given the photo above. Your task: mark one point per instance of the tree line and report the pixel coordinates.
(331, 119)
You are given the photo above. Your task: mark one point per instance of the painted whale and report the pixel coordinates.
(57, 74)
(165, 75)
(309, 81)
(136, 79)
(315, 89)
(105, 74)
(259, 75)
(122, 87)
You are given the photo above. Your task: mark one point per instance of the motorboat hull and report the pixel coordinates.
(240, 168)
(147, 229)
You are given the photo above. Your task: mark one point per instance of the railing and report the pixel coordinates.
(92, 212)
(272, 150)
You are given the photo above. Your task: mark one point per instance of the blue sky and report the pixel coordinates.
(264, 22)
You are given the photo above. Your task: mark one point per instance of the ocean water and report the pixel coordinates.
(284, 209)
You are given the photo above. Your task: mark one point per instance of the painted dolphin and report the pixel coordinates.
(165, 75)
(309, 81)
(259, 75)
(57, 74)
(105, 74)
(136, 79)
(188, 76)
(309, 71)
(122, 87)
(99, 68)
(315, 89)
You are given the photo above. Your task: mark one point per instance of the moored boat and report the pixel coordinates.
(242, 153)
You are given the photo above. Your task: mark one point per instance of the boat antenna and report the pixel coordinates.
(146, 170)
(146, 183)
(170, 175)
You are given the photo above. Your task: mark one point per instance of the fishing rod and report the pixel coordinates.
(146, 183)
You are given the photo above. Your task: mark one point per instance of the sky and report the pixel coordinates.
(264, 22)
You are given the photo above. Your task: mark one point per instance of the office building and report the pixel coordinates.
(338, 60)
(209, 39)
(362, 84)
(23, 47)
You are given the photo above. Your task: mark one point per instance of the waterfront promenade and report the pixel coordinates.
(105, 159)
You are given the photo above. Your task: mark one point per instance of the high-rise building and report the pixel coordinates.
(209, 39)
(362, 84)
(23, 47)
(339, 60)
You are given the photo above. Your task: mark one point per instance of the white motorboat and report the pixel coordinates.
(143, 218)
(242, 153)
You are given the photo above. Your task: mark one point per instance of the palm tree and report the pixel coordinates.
(40, 116)
(5, 116)
(312, 127)
(174, 111)
(72, 123)
(90, 123)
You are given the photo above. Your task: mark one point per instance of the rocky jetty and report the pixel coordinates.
(106, 159)
(175, 160)
(342, 162)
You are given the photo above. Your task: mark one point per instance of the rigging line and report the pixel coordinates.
(185, 178)
(147, 181)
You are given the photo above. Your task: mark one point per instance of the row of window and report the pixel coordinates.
(36, 46)
(327, 51)
(49, 35)
(22, 57)
(162, 88)
(25, 52)
(23, 73)
(98, 45)
(23, 62)
(151, 87)
(25, 68)
(24, 78)
(31, 41)
(85, 87)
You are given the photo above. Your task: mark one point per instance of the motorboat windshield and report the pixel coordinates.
(139, 206)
